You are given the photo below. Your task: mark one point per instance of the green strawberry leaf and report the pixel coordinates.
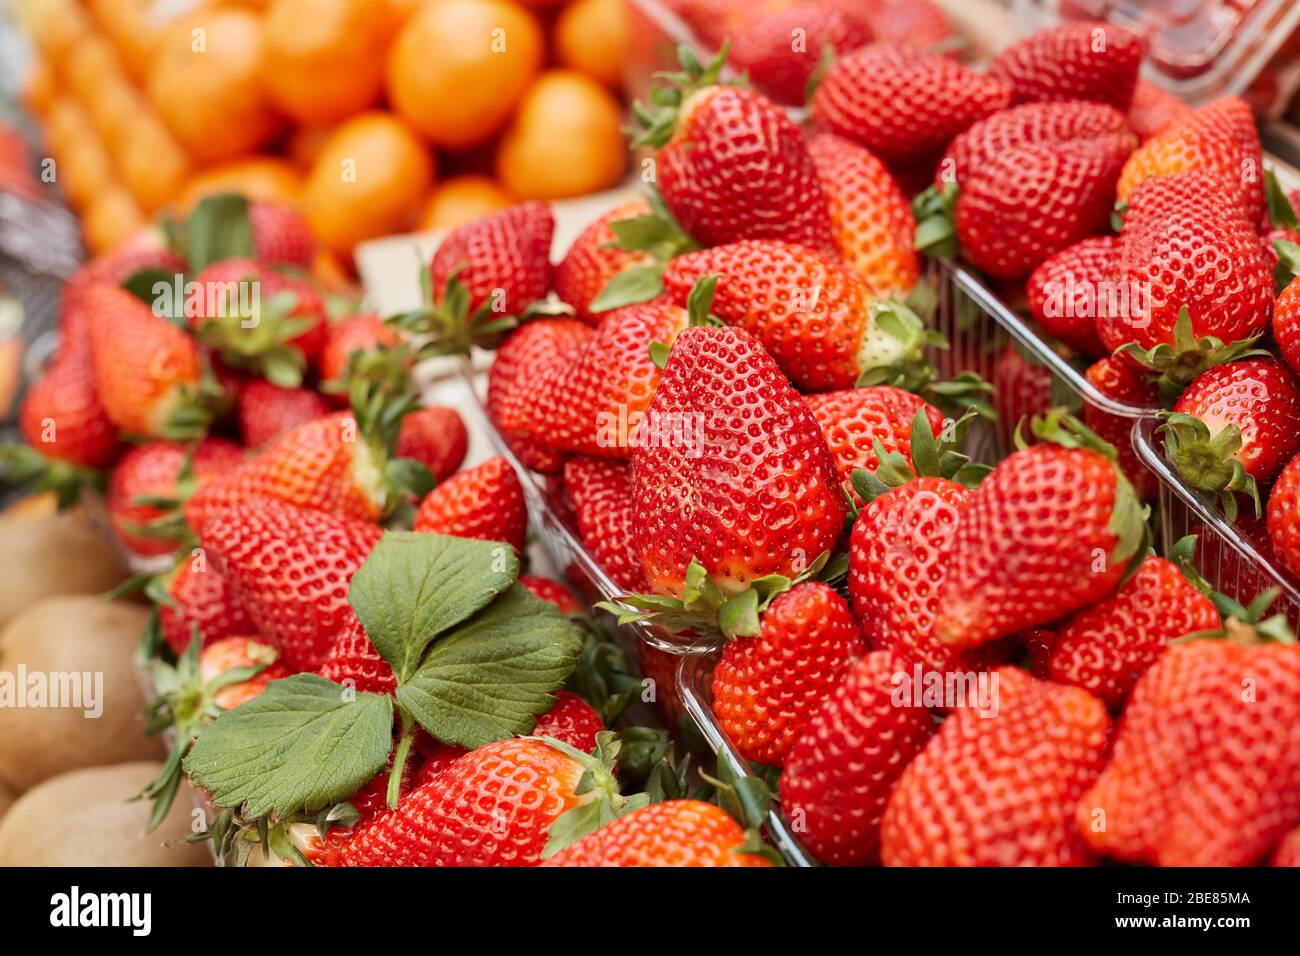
(638, 284)
(491, 676)
(304, 744)
(218, 229)
(416, 585)
(1280, 211)
(145, 286)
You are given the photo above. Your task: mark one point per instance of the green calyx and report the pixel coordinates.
(1246, 624)
(658, 235)
(1178, 364)
(698, 303)
(607, 804)
(24, 465)
(1208, 462)
(447, 326)
(1288, 263)
(892, 349)
(936, 233)
(748, 799)
(656, 121)
(259, 341)
(931, 457)
(1280, 211)
(218, 229)
(237, 837)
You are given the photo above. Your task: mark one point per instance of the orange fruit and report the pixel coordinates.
(151, 163)
(367, 181)
(82, 167)
(395, 13)
(54, 26)
(592, 36)
(458, 68)
(40, 89)
(206, 82)
(305, 143)
(265, 178)
(111, 218)
(324, 58)
(91, 62)
(131, 28)
(461, 199)
(565, 140)
(113, 109)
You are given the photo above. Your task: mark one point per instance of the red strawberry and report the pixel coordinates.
(1126, 382)
(593, 260)
(1235, 427)
(837, 776)
(999, 788)
(196, 595)
(281, 236)
(813, 314)
(781, 49)
(1022, 388)
(144, 252)
(484, 502)
(435, 437)
(1154, 109)
(148, 374)
(1105, 648)
(1205, 769)
(356, 333)
(266, 411)
(1286, 324)
(1287, 852)
(671, 833)
(871, 218)
(749, 495)
(1284, 516)
(62, 418)
(1050, 530)
(502, 260)
(1072, 288)
(766, 687)
(715, 143)
(902, 103)
(223, 656)
(1076, 61)
(290, 568)
(601, 495)
(920, 22)
(352, 657)
(156, 470)
(528, 357)
(552, 591)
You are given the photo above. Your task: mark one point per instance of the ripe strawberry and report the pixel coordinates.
(158, 470)
(266, 411)
(1076, 61)
(1071, 289)
(502, 260)
(1218, 139)
(1000, 789)
(854, 419)
(1234, 428)
(1286, 324)
(671, 833)
(1284, 516)
(1022, 388)
(714, 143)
(811, 313)
(148, 375)
(290, 568)
(435, 437)
(326, 464)
(352, 657)
(1050, 530)
(748, 496)
(527, 358)
(1119, 378)
(837, 776)
(61, 416)
(1154, 109)
(484, 502)
(780, 50)
(195, 595)
(1205, 769)
(222, 656)
(356, 333)
(1287, 852)
(594, 259)
(902, 103)
(552, 591)
(281, 236)
(604, 514)
(871, 218)
(114, 268)
(765, 687)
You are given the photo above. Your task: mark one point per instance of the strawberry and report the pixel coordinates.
(594, 259)
(1218, 139)
(1125, 381)
(671, 833)
(715, 143)
(902, 103)
(289, 568)
(604, 514)
(920, 22)
(356, 333)
(436, 438)
(222, 656)
(502, 260)
(1284, 516)
(194, 595)
(765, 687)
(1205, 769)
(1286, 324)
(1105, 648)
(114, 268)
(780, 50)
(1022, 388)
(148, 374)
(747, 496)
(1050, 530)
(266, 410)
(870, 217)
(258, 319)
(1071, 289)
(1076, 61)
(814, 316)
(837, 777)
(1287, 852)
(353, 657)
(552, 591)
(1000, 788)
(1154, 109)
(854, 419)
(1234, 428)
(484, 502)
(281, 236)
(527, 358)
(158, 470)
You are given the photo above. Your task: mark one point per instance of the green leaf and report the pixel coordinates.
(638, 284)
(304, 744)
(1280, 211)
(739, 616)
(490, 677)
(416, 585)
(218, 229)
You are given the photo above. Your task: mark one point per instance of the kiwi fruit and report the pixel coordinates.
(44, 554)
